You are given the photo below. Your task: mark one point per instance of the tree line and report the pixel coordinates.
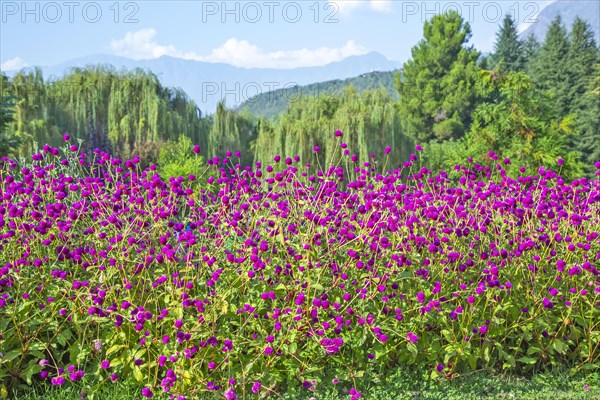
(531, 102)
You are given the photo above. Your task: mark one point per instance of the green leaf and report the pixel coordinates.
(11, 355)
(318, 286)
(137, 374)
(559, 346)
(412, 348)
(446, 333)
(527, 360)
(279, 238)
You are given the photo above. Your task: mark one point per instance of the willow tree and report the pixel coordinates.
(119, 111)
(369, 122)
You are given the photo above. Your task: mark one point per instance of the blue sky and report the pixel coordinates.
(271, 33)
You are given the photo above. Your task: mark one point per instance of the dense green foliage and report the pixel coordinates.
(369, 120)
(271, 104)
(440, 99)
(437, 89)
(405, 384)
(508, 50)
(118, 111)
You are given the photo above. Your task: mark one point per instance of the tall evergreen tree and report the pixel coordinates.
(584, 101)
(508, 49)
(588, 122)
(518, 123)
(436, 90)
(530, 51)
(551, 68)
(582, 60)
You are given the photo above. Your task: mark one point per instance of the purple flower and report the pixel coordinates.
(230, 394)
(338, 133)
(146, 392)
(105, 364)
(66, 137)
(256, 387)
(59, 380)
(547, 303)
(412, 337)
(196, 149)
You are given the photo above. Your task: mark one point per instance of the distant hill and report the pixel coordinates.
(208, 83)
(568, 10)
(271, 104)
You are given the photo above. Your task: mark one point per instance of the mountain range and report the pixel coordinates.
(568, 10)
(250, 88)
(207, 83)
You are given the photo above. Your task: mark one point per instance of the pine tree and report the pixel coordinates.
(588, 122)
(436, 90)
(550, 69)
(584, 57)
(582, 60)
(508, 49)
(530, 51)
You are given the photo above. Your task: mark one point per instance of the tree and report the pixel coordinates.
(178, 159)
(583, 99)
(582, 58)
(588, 122)
(8, 142)
(437, 85)
(519, 125)
(508, 49)
(550, 69)
(530, 51)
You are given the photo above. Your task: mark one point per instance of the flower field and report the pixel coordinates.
(246, 281)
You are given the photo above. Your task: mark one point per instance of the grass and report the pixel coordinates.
(558, 385)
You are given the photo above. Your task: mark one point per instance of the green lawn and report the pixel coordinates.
(402, 385)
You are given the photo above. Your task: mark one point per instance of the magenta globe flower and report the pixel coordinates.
(412, 337)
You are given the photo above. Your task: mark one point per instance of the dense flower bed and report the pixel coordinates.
(110, 272)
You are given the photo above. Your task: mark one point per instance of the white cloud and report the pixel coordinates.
(382, 5)
(243, 54)
(139, 45)
(240, 53)
(347, 6)
(13, 64)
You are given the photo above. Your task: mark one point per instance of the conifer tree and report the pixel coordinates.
(550, 70)
(530, 51)
(508, 49)
(437, 93)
